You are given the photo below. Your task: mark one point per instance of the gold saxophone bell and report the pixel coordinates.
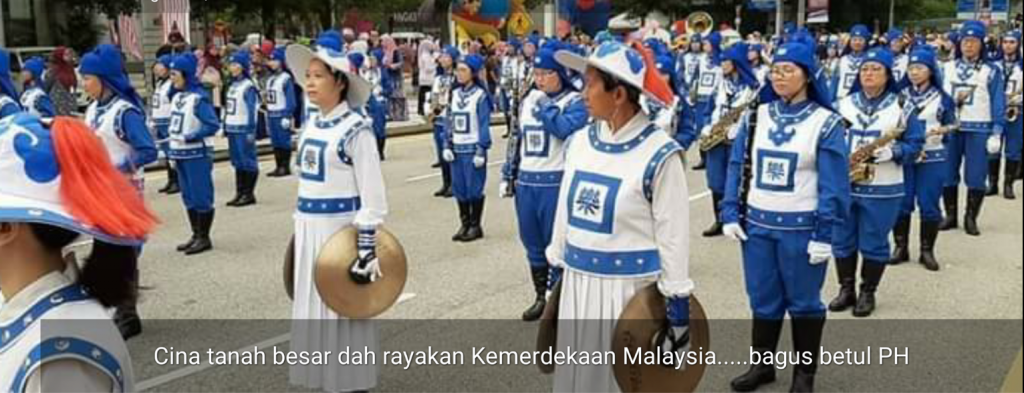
(862, 173)
(1012, 114)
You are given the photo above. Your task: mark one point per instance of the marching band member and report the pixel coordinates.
(551, 113)
(280, 102)
(706, 82)
(925, 177)
(441, 92)
(340, 185)
(160, 118)
(34, 99)
(193, 121)
(737, 88)
(784, 210)
(874, 109)
(978, 87)
(664, 116)
(1013, 139)
(898, 47)
(240, 118)
(759, 64)
(468, 141)
(619, 225)
(117, 116)
(849, 64)
(377, 105)
(55, 189)
(8, 94)
(692, 60)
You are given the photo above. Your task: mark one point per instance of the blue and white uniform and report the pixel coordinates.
(193, 124)
(1012, 73)
(280, 102)
(469, 117)
(34, 99)
(849, 66)
(982, 116)
(160, 111)
(240, 118)
(925, 177)
(444, 85)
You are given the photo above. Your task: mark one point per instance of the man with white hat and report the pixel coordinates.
(619, 226)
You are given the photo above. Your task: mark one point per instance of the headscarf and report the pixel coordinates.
(186, 64)
(926, 56)
(35, 66)
(545, 60)
(858, 31)
(716, 47)
(105, 62)
(738, 55)
(878, 56)
(972, 29)
(803, 56)
(6, 85)
(388, 44)
(64, 71)
(475, 64)
(243, 59)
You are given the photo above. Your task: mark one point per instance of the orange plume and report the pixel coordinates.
(652, 81)
(95, 192)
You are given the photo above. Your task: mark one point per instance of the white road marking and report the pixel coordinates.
(262, 345)
(438, 174)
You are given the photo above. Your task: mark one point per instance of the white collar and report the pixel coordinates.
(631, 130)
(31, 294)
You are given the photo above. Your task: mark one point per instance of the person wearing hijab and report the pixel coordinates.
(9, 104)
(117, 116)
(60, 81)
(54, 191)
(468, 141)
(552, 112)
(979, 89)
(392, 65)
(705, 85)
(874, 109)
(34, 98)
(758, 63)
(926, 175)
(281, 101)
(160, 118)
(849, 64)
(240, 120)
(1010, 65)
(738, 88)
(784, 212)
(193, 123)
(442, 92)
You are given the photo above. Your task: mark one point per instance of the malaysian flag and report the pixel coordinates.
(176, 18)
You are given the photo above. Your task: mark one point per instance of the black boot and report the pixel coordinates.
(239, 188)
(128, 322)
(1012, 167)
(975, 199)
(446, 184)
(193, 224)
(540, 287)
(951, 200)
(994, 167)
(846, 269)
(171, 178)
(929, 235)
(286, 162)
(172, 181)
(476, 231)
(806, 339)
(203, 243)
(702, 165)
(279, 164)
(716, 229)
(765, 340)
(871, 275)
(248, 197)
(464, 212)
(901, 235)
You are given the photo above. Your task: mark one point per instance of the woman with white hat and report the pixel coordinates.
(58, 186)
(469, 139)
(340, 185)
(619, 225)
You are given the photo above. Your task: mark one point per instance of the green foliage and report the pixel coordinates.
(109, 7)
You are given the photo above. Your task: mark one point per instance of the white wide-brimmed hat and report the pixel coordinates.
(622, 63)
(299, 56)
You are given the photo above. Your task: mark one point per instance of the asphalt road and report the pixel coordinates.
(232, 298)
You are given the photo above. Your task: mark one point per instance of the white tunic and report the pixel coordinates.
(340, 184)
(972, 79)
(277, 103)
(237, 114)
(106, 122)
(541, 152)
(868, 124)
(465, 124)
(930, 112)
(29, 99)
(730, 95)
(847, 73)
(184, 124)
(618, 228)
(80, 348)
(160, 111)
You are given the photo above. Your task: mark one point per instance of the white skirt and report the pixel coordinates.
(315, 327)
(589, 308)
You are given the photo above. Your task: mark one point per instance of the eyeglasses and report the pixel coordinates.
(782, 72)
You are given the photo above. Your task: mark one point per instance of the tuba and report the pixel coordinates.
(700, 23)
(1013, 105)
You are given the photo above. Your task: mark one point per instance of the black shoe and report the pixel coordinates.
(871, 276)
(286, 164)
(975, 199)
(435, 165)
(901, 235)
(994, 167)
(239, 188)
(476, 231)
(716, 229)
(807, 334)
(202, 243)
(951, 200)
(128, 322)
(765, 339)
(193, 224)
(248, 197)
(172, 181)
(464, 211)
(929, 235)
(701, 166)
(540, 288)
(280, 164)
(1012, 167)
(846, 269)
(444, 192)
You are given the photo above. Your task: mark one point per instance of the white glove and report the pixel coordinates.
(448, 155)
(884, 155)
(705, 131)
(734, 232)
(479, 161)
(934, 140)
(995, 144)
(503, 189)
(819, 252)
(286, 123)
(733, 133)
(366, 268)
(555, 260)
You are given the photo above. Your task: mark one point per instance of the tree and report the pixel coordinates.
(108, 7)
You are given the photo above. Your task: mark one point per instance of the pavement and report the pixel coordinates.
(232, 298)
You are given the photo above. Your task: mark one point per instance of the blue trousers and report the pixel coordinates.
(196, 179)
(535, 209)
(243, 152)
(867, 228)
(439, 143)
(924, 183)
(969, 149)
(280, 138)
(468, 181)
(717, 161)
(162, 134)
(1013, 140)
(779, 275)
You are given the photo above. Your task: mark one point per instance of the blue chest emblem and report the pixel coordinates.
(779, 136)
(591, 202)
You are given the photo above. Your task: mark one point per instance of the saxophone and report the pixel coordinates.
(720, 131)
(439, 101)
(861, 169)
(1013, 105)
(515, 139)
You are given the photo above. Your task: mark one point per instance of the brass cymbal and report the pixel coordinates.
(289, 269)
(547, 332)
(345, 296)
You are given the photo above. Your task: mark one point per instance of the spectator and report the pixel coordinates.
(61, 81)
(210, 75)
(427, 63)
(392, 62)
(175, 45)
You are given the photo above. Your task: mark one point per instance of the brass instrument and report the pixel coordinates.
(940, 131)
(1013, 105)
(515, 139)
(720, 131)
(439, 102)
(861, 169)
(700, 23)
